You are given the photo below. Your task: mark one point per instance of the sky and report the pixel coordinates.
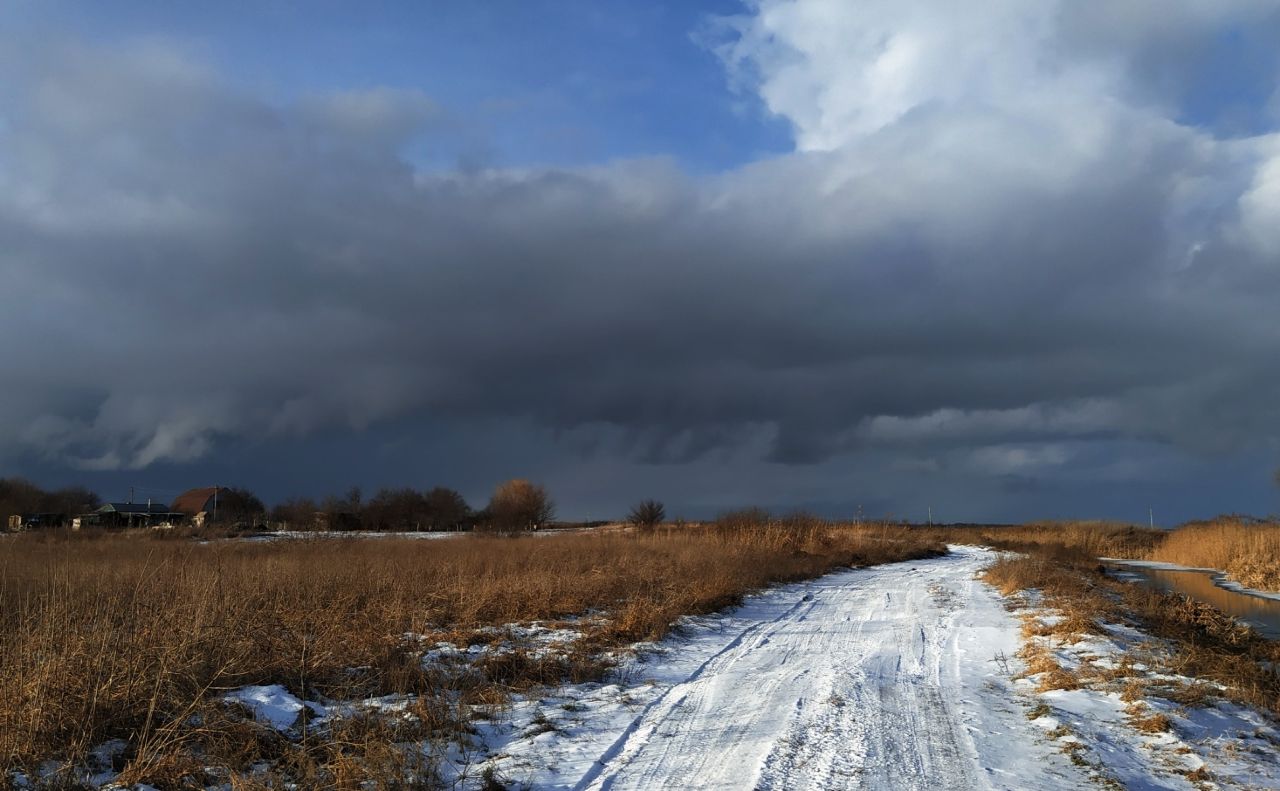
(987, 261)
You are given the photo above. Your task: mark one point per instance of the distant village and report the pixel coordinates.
(515, 505)
(194, 507)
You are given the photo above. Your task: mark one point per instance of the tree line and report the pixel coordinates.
(515, 505)
(22, 497)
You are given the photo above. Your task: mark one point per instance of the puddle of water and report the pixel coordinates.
(1262, 614)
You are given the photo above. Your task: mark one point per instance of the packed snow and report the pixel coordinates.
(893, 677)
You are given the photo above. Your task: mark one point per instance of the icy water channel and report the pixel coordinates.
(1261, 612)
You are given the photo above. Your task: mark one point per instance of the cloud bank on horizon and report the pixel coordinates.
(1008, 233)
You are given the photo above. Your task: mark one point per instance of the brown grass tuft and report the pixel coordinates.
(1143, 720)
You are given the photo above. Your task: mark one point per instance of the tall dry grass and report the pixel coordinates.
(1095, 538)
(1248, 552)
(121, 637)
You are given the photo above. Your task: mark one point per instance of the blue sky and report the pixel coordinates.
(1005, 260)
(556, 83)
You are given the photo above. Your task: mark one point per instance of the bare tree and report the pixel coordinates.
(239, 507)
(448, 510)
(70, 500)
(520, 505)
(397, 509)
(647, 514)
(20, 497)
(298, 513)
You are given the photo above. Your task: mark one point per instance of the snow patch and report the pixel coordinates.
(274, 705)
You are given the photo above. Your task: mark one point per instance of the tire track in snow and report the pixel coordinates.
(637, 733)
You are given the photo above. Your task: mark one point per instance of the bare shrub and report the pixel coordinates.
(647, 514)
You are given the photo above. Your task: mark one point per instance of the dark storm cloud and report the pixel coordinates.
(984, 288)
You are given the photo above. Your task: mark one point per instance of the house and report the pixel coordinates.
(132, 515)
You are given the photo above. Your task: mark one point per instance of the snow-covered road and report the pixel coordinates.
(886, 678)
(877, 678)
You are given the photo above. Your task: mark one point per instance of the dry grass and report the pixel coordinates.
(1075, 597)
(1248, 552)
(136, 639)
(1133, 692)
(1040, 662)
(1097, 539)
(1142, 719)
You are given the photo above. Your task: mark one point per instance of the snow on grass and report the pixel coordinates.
(97, 772)
(1126, 722)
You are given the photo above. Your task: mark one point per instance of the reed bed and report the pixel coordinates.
(1247, 550)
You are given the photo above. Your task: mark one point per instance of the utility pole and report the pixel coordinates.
(215, 502)
(931, 516)
(1151, 517)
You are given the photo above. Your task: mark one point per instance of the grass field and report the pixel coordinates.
(131, 638)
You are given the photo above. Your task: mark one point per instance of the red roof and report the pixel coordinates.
(193, 501)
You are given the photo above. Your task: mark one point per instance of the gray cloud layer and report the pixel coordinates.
(997, 237)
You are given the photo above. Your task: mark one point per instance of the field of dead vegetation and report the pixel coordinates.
(122, 649)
